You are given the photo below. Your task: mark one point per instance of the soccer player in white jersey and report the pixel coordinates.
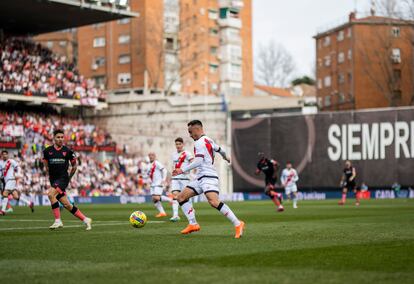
(181, 158)
(9, 169)
(206, 180)
(289, 178)
(158, 175)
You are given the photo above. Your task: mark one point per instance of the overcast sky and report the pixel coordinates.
(294, 22)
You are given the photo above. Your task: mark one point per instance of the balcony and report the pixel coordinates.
(237, 4)
(230, 23)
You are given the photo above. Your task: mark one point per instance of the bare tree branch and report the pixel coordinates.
(274, 65)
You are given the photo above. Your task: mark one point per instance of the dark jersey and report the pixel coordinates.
(348, 174)
(267, 167)
(58, 162)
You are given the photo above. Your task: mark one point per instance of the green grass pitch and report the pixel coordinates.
(320, 242)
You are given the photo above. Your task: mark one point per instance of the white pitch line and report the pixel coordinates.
(113, 223)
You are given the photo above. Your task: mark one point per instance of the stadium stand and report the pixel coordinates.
(30, 69)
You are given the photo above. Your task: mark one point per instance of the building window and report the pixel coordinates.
(341, 78)
(327, 60)
(100, 81)
(213, 68)
(212, 14)
(124, 78)
(99, 42)
(327, 81)
(341, 57)
(341, 36)
(169, 43)
(396, 55)
(397, 74)
(349, 34)
(98, 62)
(98, 25)
(62, 43)
(319, 83)
(213, 50)
(327, 101)
(123, 39)
(326, 41)
(123, 21)
(124, 59)
(395, 31)
(350, 54)
(49, 44)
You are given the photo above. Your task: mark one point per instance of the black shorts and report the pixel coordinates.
(60, 184)
(350, 185)
(270, 181)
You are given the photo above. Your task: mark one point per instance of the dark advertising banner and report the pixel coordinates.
(380, 143)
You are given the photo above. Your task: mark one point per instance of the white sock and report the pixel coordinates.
(24, 200)
(4, 203)
(159, 207)
(189, 212)
(166, 198)
(175, 208)
(295, 200)
(226, 211)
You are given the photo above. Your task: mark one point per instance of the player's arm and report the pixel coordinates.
(296, 176)
(283, 178)
(197, 161)
(221, 151)
(73, 165)
(275, 167)
(353, 174)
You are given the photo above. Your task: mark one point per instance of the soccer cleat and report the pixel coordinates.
(2, 213)
(56, 225)
(175, 219)
(9, 210)
(280, 208)
(191, 228)
(295, 206)
(31, 206)
(341, 203)
(88, 223)
(239, 230)
(159, 215)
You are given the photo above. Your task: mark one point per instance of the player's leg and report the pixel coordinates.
(52, 194)
(9, 208)
(75, 210)
(275, 197)
(295, 198)
(4, 202)
(18, 197)
(214, 200)
(187, 208)
(156, 199)
(357, 197)
(175, 205)
(343, 199)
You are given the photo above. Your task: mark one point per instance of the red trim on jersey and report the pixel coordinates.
(290, 177)
(152, 170)
(6, 168)
(181, 160)
(57, 148)
(209, 149)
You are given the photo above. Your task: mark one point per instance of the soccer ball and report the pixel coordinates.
(138, 219)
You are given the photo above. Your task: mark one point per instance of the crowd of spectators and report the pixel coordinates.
(120, 174)
(29, 68)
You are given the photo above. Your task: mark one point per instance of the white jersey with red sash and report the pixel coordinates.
(180, 160)
(206, 148)
(289, 179)
(9, 169)
(155, 173)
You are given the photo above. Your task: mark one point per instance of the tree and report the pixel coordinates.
(274, 65)
(303, 80)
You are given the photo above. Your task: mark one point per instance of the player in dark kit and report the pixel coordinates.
(57, 158)
(269, 168)
(348, 183)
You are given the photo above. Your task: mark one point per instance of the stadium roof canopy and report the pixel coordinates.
(31, 17)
